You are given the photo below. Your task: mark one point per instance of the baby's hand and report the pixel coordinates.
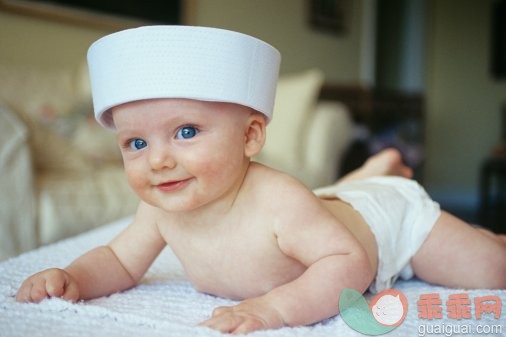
(48, 283)
(247, 316)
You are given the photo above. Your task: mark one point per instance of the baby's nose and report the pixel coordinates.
(161, 158)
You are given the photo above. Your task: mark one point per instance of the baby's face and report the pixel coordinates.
(182, 154)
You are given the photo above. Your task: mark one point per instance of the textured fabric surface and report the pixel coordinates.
(89, 199)
(296, 98)
(306, 137)
(165, 304)
(17, 202)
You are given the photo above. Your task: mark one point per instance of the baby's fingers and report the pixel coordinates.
(60, 284)
(224, 323)
(221, 311)
(249, 325)
(225, 319)
(32, 290)
(71, 292)
(49, 283)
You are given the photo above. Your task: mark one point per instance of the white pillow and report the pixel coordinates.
(296, 98)
(96, 142)
(53, 152)
(56, 97)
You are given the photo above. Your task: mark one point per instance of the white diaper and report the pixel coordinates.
(400, 215)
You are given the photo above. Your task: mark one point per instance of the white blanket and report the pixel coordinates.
(165, 304)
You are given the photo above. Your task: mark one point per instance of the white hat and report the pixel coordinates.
(200, 63)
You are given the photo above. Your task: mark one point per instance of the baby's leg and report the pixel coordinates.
(458, 255)
(385, 163)
(492, 235)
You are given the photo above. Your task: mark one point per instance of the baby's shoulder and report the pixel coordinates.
(277, 188)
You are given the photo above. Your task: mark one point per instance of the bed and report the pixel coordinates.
(165, 304)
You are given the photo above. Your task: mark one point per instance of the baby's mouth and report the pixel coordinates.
(171, 186)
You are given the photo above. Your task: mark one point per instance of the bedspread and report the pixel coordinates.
(165, 303)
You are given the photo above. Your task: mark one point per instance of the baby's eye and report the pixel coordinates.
(186, 132)
(137, 144)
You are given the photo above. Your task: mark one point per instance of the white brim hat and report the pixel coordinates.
(199, 63)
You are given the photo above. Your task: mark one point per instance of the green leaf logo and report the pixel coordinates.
(386, 311)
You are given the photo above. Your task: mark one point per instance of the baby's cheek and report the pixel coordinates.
(136, 181)
(226, 173)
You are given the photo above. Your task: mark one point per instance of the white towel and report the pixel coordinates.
(165, 304)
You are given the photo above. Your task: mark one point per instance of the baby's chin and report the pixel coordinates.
(177, 204)
(175, 207)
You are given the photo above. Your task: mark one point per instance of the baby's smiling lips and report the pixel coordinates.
(171, 186)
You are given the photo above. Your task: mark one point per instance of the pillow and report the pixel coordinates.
(17, 211)
(97, 142)
(51, 96)
(54, 104)
(296, 98)
(52, 151)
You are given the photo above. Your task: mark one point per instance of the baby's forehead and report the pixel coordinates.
(184, 103)
(181, 108)
(207, 64)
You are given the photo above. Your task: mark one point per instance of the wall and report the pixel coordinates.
(25, 40)
(401, 32)
(463, 101)
(284, 24)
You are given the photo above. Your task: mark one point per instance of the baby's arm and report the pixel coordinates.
(335, 260)
(103, 270)
(94, 274)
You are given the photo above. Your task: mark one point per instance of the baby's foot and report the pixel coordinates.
(388, 162)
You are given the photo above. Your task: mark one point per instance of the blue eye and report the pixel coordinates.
(186, 132)
(137, 144)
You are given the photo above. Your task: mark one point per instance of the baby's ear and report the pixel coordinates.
(254, 134)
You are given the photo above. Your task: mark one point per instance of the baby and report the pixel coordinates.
(190, 107)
